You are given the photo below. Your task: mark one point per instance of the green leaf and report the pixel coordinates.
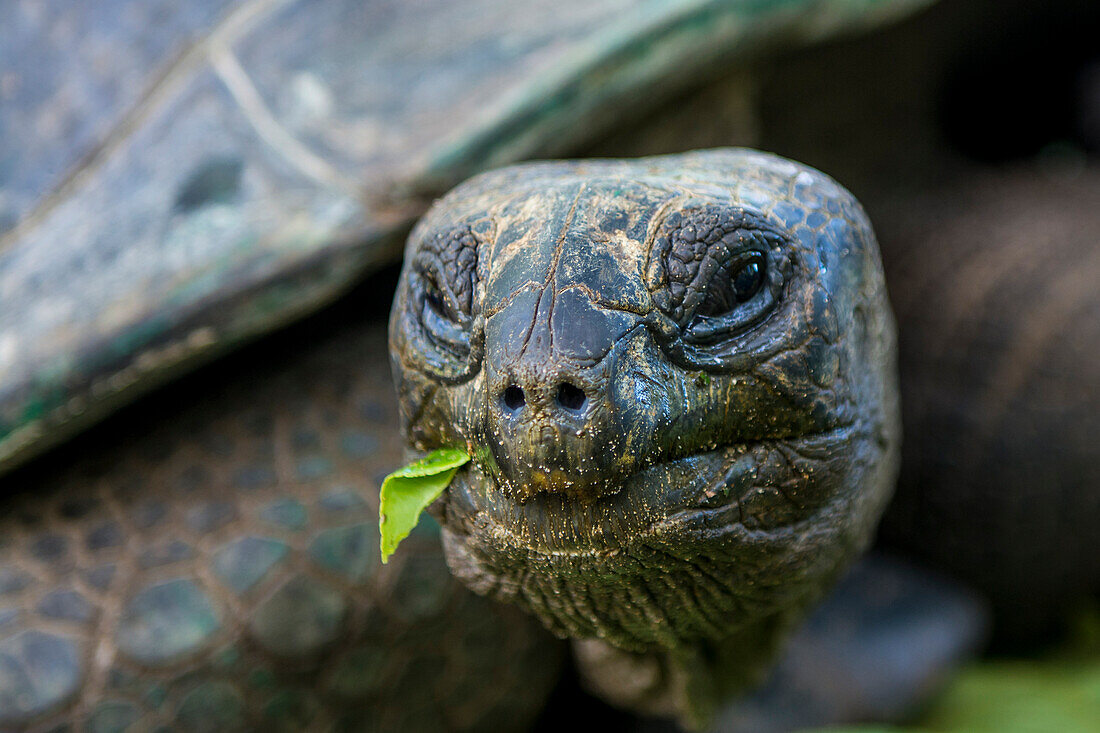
(408, 491)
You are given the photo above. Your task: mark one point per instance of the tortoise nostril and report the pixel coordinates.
(571, 397)
(513, 398)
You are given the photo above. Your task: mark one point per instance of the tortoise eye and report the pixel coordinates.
(445, 326)
(433, 298)
(734, 285)
(748, 279)
(446, 265)
(720, 271)
(737, 298)
(442, 283)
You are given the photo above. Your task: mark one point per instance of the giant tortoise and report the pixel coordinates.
(213, 566)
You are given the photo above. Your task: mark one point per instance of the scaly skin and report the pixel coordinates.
(676, 377)
(219, 570)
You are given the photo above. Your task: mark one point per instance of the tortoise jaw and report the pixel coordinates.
(554, 521)
(713, 483)
(686, 549)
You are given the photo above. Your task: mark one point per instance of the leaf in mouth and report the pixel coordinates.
(408, 491)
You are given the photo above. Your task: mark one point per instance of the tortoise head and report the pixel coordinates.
(676, 377)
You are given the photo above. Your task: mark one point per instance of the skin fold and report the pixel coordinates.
(676, 377)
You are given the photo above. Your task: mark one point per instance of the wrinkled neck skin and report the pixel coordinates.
(676, 377)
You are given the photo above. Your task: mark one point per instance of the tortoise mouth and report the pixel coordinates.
(686, 549)
(753, 486)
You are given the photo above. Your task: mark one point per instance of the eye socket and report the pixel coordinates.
(442, 284)
(719, 271)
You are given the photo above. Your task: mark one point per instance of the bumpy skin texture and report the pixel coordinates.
(219, 570)
(676, 376)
